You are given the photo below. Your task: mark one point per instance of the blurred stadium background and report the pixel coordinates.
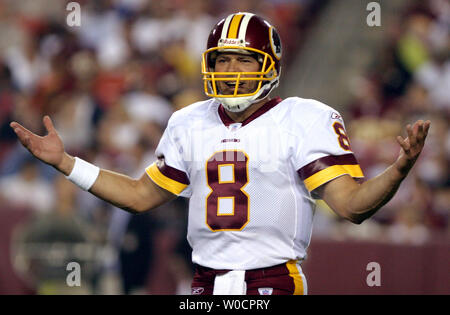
(111, 84)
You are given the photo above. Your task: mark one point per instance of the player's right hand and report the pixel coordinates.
(49, 149)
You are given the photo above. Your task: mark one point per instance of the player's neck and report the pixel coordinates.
(241, 116)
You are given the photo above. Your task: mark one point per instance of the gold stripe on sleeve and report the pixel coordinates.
(163, 181)
(330, 173)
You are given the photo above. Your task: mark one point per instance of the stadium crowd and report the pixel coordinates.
(410, 80)
(110, 86)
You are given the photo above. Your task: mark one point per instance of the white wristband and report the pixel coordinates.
(83, 174)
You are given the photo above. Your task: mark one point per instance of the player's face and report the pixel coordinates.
(233, 62)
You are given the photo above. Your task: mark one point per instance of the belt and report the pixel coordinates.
(251, 274)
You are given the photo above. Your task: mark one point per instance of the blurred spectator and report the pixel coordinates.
(26, 64)
(73, 120)
(49, 242)
(434, 76)
(411, 82)
(408, 226)
(28, 189)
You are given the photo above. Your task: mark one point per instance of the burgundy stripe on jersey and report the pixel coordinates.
(263, 109)
(171, 172)
(327, 161)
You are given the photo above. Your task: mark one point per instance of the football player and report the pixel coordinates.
(251, 166)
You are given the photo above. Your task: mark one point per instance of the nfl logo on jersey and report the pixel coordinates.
(197, 291)
(265, 291)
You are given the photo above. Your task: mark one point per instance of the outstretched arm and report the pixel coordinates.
(357, 202)
(133, 195)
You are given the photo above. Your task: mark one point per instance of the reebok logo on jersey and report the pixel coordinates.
(234, 127)
(335, 116)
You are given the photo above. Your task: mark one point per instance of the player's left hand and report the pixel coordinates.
(412, 145)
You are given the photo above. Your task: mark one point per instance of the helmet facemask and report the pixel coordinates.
(266, 77)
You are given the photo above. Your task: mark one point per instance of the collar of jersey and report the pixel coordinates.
(263, 109)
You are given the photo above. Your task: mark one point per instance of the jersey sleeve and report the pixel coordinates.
(325, 153)
(169, 171)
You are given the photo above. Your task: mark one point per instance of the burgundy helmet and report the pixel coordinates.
(243, 33)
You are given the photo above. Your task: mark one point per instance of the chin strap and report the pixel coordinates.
(241, 103)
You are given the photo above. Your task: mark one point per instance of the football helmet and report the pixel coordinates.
(243, 33)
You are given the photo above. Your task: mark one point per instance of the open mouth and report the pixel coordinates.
(232, 84)
(230, 87)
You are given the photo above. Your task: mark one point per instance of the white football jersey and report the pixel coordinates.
(249, 184)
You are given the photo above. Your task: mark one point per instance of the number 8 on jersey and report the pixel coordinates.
(227, 205)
